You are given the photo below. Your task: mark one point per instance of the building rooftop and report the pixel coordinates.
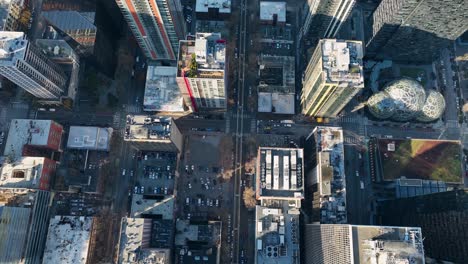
(281, 173)
(147, 128)
(162, 93)
(133, 247)
(12, 47)
(277, 103)
(330, 174)
(208, 232)
(68, 239)
(424, 159)
(57, 50)
(152, 205)
(269, 10)
(224, 6)
(27, 131)
(277, 233)
(208, 51)
(70, 20)
(23, 173)
(4, 10)
(90, 138)
(387, 244)
(342, 61)
(13, 227)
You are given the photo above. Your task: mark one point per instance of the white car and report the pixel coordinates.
(136, 189)
(190, 186)
(131, 173)
(123, 172)
(142, 189)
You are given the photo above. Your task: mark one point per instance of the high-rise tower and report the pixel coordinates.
(157, 25)
(332, 78)
(26, 66)
(323, 18)
(415, 30)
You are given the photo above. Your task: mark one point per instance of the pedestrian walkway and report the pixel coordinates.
(349, 140)
(453, 124)
(116, 120)
(228, 125)
(253, 126)
(133, 109)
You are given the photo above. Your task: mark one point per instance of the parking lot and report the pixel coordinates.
(202, 191)
(155, 173)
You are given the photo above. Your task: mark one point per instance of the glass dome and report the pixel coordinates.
(433, 107)
(408, 96)
(381, 105)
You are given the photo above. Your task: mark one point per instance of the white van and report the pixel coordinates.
(187, 201)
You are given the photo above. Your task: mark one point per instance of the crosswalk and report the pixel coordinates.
(253, 126)
(20, 105)
(134, 109)
(228, 125)
(349, 140)
(452, 124)
(116, 120)
(244, 115)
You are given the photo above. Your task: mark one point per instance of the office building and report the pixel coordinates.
(325, 173)
(337, 244)
(273, 13)
(443, 218)
(213, 9)
(27, 172)
(277, 232)
(415, 30)
(281, 174)
(12, 15)
(24, 216)
(145, 240)
(157, 25)
(23, 64)
(198, 242)
(68, 239)
(201, 72)
(58, 51)
(89, 138)
(32, 138)
(323, 18)
(162, 94)
(332, 78)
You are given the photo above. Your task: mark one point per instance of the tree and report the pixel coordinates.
(249, 198)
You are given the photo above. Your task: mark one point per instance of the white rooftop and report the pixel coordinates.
(164, 207)
(12, 47)
(269, 9)
(342, 61)
(224, 6)
(26, 131)
(68, 240)
(281, 103)
(87, 137)
(162, 93)
(24, 173)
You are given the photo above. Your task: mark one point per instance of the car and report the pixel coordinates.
(199, 202)
(362, 185)
(123, 172)
(131, 173)
(168, 167)
(142, 189)
(206, 186)
(52, 109)
(165, 190)
(137, 59)
(217, 203)
(190, 186)
(136, 189)
(188, 216)
(193, 167)
(146, 157)
(357, 173)
(187, 201)
(155, 190)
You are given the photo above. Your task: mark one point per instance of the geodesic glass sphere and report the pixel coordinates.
(381, 105)
(408, 96)
(433, 107)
